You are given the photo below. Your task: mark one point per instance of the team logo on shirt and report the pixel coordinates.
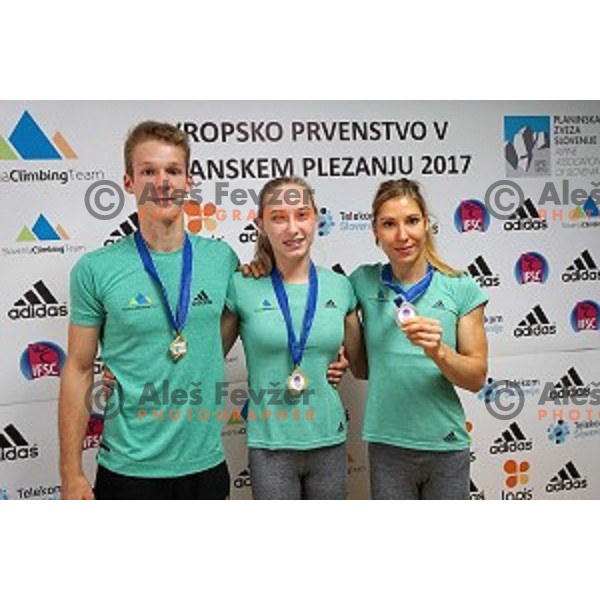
(140, 301)
(265, 305)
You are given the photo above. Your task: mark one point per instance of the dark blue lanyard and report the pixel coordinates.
(183, 305)
(413, 293)
(297, 347)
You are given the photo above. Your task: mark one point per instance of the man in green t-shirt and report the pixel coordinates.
(153, 301)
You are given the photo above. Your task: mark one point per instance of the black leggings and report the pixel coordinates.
(212, 484)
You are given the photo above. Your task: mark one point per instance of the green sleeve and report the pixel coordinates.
(86, 304)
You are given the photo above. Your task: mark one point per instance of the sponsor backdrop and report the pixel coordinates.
(539, 263)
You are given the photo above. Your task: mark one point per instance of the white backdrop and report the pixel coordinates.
(540, 269)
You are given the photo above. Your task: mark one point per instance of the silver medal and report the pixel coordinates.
(405, 311)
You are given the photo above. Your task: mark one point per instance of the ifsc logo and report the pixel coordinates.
(42, 359)
(531, 267)
(584, 316)
(471, 216)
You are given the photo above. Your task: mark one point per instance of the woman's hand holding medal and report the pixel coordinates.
(426, 333)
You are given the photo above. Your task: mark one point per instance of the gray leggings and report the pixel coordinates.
(403, 474)
(318, 474)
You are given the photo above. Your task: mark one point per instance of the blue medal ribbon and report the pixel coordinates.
(411, 294)
(178, 321)
(296, 347)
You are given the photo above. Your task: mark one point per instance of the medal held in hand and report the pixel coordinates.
(405, 309)
(178, 347)
(297, 382)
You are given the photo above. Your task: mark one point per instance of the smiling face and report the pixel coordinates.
(289, 222)
(158, 180)
(401, 229)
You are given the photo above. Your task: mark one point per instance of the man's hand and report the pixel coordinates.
(426, 333)
(76, 488)
(336, 370)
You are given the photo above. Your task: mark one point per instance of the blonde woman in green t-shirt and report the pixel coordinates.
(424, 332)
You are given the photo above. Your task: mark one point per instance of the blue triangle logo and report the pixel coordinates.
(266, 304)
(590, 208)
(43, 230)
(31, 142)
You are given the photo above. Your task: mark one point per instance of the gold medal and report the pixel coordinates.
(297, 382)
(178, 347)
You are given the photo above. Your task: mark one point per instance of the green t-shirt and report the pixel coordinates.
(316, 418)
(410, 403)
(111, 289)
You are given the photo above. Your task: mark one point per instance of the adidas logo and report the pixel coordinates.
(568, 478)
(13, 446)
(201, 299)
(451, 437)
(583, 269)
(37, 303)
(125, 228)
(475, 492)
(330, 304)
(512, 440)
(243, 479)
(439, 305)
(535, 324)
(570, 386)
(249, 234)
(525, 218)
(482, 274)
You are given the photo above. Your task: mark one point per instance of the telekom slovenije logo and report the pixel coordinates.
(42, 359)
(29, 142)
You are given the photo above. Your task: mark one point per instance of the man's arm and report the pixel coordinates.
(229, 330)
(77, 377)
